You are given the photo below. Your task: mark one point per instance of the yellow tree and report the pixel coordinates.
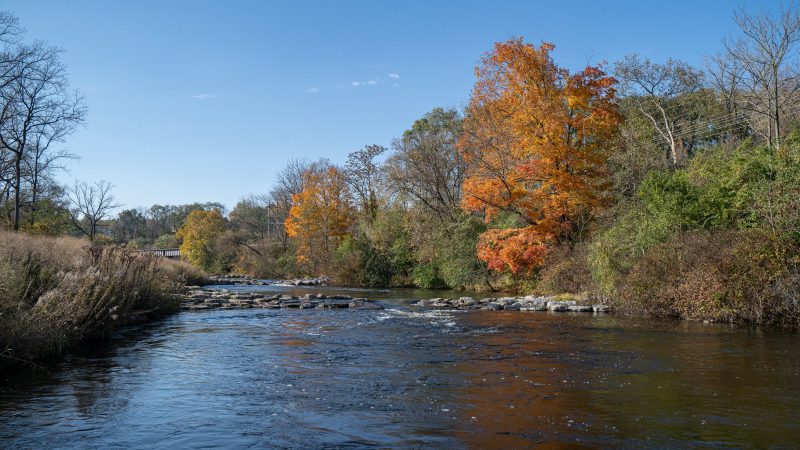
(321, 216)
(198, 233)
(535, 138)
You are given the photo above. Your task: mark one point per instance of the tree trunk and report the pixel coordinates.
(17, 187)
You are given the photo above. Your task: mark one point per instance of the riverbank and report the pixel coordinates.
(58, 292)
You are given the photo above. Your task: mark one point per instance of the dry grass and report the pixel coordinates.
(56, 292)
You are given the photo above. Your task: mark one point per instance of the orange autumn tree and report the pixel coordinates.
(535, 139)
(320, 217)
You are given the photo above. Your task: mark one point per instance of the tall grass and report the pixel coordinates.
(57, 292)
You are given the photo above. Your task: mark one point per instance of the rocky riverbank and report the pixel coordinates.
(529, 303)
(249, 281)
(198, 298)
(195, 298)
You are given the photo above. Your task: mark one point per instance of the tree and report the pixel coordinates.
(198, 233)
(770, 78)
(36, 103)
(535, 138)
(255, 216)
(657, 90)
(365, 177)
(289, 182)
(321, 216)
(130, 224)
(89, 204)
(426, 165)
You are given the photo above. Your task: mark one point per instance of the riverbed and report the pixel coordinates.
(409, 377)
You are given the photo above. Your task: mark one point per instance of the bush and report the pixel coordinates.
(731, 276)
(565, 270)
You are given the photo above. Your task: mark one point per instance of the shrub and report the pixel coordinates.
(731, 276)
(566, 270)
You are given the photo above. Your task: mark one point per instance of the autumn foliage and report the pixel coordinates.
(321, 216)
(535, 138)
(198, 233)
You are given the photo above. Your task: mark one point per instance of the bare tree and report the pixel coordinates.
(770, 73)
(365, 177)
(427, 165)
(725, 79)
(40, 164)
(36, 103)
(89, 204)
(654, 88)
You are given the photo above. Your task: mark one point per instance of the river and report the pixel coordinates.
(407, 378)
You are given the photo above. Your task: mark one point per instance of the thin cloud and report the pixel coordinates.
(203, 96)
(311, 90)
(394, 76)
(372, 82)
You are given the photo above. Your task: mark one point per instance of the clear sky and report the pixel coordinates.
(207, 100)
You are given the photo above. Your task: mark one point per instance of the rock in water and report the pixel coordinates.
(581, 308)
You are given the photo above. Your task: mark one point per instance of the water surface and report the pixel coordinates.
(409, 378)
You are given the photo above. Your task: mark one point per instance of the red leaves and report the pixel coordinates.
(515, 250)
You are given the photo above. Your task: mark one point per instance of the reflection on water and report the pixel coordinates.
(408, 378)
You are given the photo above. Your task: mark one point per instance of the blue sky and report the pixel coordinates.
(207, 100)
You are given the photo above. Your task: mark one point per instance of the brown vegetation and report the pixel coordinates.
(57, 292)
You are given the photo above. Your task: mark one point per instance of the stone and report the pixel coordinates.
(362, 303)
(557, 306)
(601, 308)
(581, 308)
(516, 306)
(336, 303)
(494, 306)
(465, 301)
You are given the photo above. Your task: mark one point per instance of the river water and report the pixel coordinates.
(408, 378)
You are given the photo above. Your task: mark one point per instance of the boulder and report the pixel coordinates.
(516, 306)
(581, 308)
(601, 308)
(558, 306)
(465, 301)
(336, 303)
(505, 300)
(493, 306)
(362, 303)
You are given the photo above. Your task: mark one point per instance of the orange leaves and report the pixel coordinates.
(320, 217)
(535, 138)
(515, 250)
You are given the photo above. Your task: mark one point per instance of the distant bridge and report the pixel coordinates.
(164, 252)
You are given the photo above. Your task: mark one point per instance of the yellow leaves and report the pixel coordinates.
(197, 232)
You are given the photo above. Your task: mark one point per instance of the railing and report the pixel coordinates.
(165, 252)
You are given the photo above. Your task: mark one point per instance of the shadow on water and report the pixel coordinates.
(404, 377)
